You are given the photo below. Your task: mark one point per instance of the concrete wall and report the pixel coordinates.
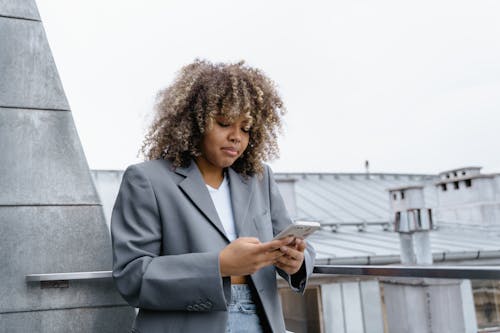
(51, 218)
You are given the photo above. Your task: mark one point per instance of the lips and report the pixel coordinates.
(231, 151)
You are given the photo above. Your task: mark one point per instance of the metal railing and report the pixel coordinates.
(441, 272)
(68, 276)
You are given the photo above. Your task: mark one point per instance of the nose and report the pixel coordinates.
(235, 135)
(234, 139)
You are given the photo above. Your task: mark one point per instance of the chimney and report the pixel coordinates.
(467, 197)
(413, 222)
(418, 305)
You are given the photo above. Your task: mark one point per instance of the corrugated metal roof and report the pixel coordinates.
(337, 198)
(355, 202)
(376, 246)
(359, 202)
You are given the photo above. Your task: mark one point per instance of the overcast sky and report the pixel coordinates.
(413, 87)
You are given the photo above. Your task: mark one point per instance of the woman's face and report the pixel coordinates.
(224, 142)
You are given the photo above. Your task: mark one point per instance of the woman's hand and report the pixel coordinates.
(246, 255)
(293, 256)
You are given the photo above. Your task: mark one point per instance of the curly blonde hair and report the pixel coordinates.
(202, 91)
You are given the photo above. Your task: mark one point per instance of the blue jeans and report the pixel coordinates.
(243, 316)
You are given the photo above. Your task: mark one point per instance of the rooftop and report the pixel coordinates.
(354, 210)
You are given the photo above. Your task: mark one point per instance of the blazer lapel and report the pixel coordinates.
(194, 187)
(241, 194)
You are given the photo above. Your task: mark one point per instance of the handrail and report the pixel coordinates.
(440, 272)
(68, 276)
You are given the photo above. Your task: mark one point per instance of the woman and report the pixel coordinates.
(193, 226)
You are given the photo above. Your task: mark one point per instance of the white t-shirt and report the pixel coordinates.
(222, 201)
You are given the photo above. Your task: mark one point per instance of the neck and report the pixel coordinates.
(211, 174)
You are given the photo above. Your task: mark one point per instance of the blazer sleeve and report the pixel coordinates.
(144, 277)
(281, 219)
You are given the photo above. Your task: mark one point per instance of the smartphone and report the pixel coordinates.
(299, 229)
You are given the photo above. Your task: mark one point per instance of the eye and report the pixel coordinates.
(245, 129)
(222, 124)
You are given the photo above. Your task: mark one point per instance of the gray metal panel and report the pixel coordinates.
(353, 246)
(477, 240)
(445, 307)
(29, 74)
(334, 252)
(372, 307)
(468, 307)
(21, 9)
(454, 236)
(388, 243)
(352, 307)
(376, 245)
(48, 239)
(355, 193)
(333, 310)
(357, 242)
(405, 308)
(370, 187)
(42, 159)
(330, 201)
(94, 319)
(358, 247)
(316, 206)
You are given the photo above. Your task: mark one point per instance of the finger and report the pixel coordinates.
(275, 244)
(287, 263)
(252, 240)
(288, 269)
(293, 253)
(277, 254)
(267, 258)
(285, 240)
(272, 256)
(300, 245)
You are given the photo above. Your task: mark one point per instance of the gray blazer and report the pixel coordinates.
(167, 237)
